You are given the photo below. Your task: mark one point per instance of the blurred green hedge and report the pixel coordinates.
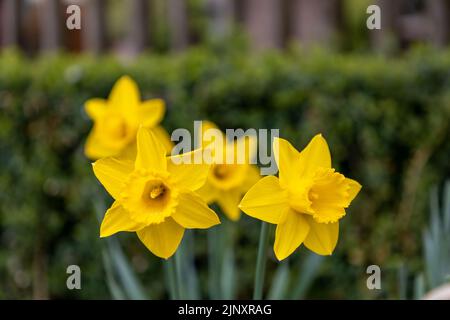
(386, 121)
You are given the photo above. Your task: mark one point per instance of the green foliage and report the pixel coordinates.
(435, 251)
(436, 239)
(386, 121)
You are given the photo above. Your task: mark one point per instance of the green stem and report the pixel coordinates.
(214, 255)
(179, 282)
(261, 261)
(171, 270)
(228, 271)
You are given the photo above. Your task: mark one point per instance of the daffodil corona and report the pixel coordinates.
(227, 182)
(117, 120)
(306, 201)
(154, 195)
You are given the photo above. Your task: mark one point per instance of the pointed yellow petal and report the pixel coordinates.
(193, 213)
(117, 219)
(206, 125)
(208, 193)
(152, 112)
(286, 157)
(163, 137)
(229, 201)
(354, 188)
(129, 153)
(94, 149)
(316, 154)
(266, 200)
(162, 239)
(95, 108)
(124, 94)
(185, 172)
(252, 177)
(322, 237)
(112, 173)
(151, 154)
(290, 234)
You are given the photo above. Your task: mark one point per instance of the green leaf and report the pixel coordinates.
(307, 273)
(280, 283)
(122, 281)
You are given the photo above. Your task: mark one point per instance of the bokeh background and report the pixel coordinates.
(380, 97)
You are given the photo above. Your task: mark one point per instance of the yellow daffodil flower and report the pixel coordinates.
(154, 196)
(305, 202)
(227, 183)
(117, 120)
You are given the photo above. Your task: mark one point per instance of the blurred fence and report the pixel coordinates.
(39, 25)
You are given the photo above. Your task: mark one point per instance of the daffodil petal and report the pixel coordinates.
(95, 108)
(252, 177)
(228, 202)
(354, 188)
(322, 237)
(286, 157)
(290, 234)
(266, 200)
(152, 111)
(162, 239)
(163, 137)
(193, 213)
(185, 172)
(206, 125)
(94, 149)
(125, 94)
(117, 219)
(208, 193)
(112, 173)
(129, 153)
(316, 154)
(151, 154)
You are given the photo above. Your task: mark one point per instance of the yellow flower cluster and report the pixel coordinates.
(159, 198)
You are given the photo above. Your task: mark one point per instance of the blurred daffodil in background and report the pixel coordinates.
(306, 201)
(117, 119)
(154, 195)
(227, 182)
